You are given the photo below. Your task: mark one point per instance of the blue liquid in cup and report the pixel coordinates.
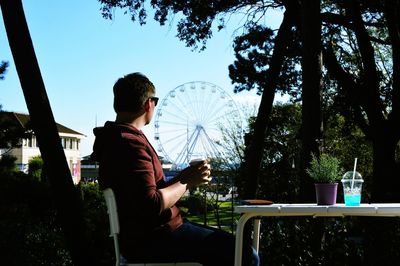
(353, 199)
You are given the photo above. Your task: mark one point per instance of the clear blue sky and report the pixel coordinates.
(81, 55)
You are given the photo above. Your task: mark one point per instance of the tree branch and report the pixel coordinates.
(332, 18)
(373, 106)
(352, 88)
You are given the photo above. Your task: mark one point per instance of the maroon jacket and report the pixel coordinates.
(130, 166)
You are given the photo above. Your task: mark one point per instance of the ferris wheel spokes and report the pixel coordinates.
(189, 120)
(187, 149)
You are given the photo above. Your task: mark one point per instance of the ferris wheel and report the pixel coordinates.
(189, 119)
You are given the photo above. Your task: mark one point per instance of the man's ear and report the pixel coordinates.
(146, 106)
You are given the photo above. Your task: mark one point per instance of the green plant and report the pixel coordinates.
(35, 166)
(325, 169)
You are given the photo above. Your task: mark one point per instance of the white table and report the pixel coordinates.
(275, 210)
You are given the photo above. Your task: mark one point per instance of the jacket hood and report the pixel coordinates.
(98, 146)
(105, 135)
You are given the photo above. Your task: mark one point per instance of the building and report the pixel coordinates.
(89, 169)
(29, 148)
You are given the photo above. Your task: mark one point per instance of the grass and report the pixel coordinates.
(226, 218)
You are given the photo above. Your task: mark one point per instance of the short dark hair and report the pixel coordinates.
(131, 92)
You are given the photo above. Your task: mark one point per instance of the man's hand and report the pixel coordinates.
(197, 174)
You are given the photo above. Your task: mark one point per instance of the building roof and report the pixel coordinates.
(23, 119)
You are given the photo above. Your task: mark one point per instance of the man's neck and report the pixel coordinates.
(131, 119)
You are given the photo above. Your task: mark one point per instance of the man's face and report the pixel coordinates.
(153, 103)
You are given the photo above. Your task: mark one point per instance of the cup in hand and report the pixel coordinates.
(196, 161)
(201, 161)
(352, 187)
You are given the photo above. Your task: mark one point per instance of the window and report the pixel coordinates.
(63, 142)
(30, 144)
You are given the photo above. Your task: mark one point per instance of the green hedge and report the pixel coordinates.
(29, 234)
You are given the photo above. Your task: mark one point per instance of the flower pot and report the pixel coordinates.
(326, 193)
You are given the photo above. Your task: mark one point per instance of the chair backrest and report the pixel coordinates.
(114, 231)
(112, 210)
(114, 222)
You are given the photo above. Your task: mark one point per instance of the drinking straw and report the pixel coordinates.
(354, 173)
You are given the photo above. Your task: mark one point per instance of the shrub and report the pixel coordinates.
(35, 165)
(7, 165)
(30, 234)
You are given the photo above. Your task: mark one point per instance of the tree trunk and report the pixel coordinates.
(379, 238)
(386, 178)
(254, 151)
(66, 197)
(311, 133)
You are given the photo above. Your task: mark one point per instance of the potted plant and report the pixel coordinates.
(325, 170)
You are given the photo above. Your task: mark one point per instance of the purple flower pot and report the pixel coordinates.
(326, 193)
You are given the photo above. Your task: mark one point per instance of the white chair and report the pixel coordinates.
(114, 231)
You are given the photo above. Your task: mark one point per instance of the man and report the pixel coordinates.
(151, 226)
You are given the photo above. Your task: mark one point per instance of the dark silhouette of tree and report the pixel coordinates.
(254, 149)
(43, 123)
(360, 43)
(361, 52)
(311, 132)
(370, 80)
(362, 55)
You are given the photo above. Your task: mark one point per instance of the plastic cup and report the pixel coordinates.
(352, 188)
(196, 161)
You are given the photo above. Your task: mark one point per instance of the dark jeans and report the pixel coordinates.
(194, 242)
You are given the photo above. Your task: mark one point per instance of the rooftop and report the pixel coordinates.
(24, 119)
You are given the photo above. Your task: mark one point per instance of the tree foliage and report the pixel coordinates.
(360, 96)
(11, 132)
(196, 19)
(253, 51)
(279, 179)
(362, 54)
(3, 69)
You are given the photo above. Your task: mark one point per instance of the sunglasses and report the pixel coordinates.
(154, 99)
